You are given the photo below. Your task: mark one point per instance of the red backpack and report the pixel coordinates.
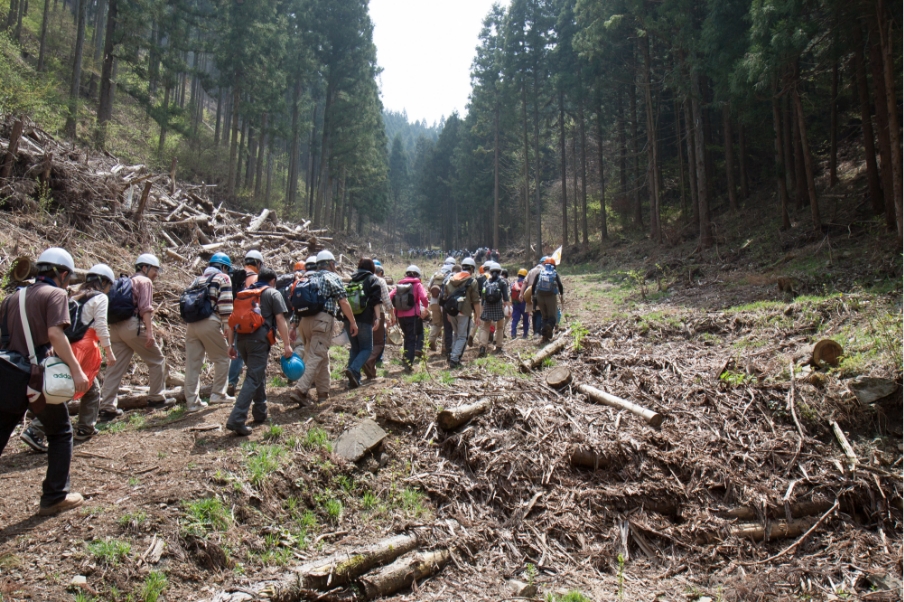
(517, 288)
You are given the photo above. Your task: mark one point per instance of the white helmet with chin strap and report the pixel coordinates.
(325, 256)
(449, 261)
(469, 262)
(413, 269)
(147, 259)
(56, 257)
(102, 270)
(255, 255)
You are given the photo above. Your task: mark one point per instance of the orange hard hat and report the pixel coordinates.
(550, 261)
(299, 266)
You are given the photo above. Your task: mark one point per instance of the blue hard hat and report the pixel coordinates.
(292, 367)
(377, 262)
(221, 259)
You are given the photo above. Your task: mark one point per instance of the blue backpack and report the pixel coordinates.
(307, 300)
(122, 303)
(546, 280)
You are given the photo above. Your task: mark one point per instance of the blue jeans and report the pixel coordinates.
(255, 353)
(362, 345)
(58, 430)
(519, 314)
(235, 370)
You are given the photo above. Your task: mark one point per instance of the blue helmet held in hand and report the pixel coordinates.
(292, 367)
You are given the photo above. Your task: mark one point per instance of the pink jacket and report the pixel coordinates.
(420, 298)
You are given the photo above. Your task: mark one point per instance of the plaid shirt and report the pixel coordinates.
(493, 312)
(331, 288)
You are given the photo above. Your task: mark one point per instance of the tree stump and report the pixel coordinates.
(559, 378)
(826, 352)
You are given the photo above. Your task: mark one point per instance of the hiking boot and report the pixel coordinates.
(470, 341)
(259, 420)
(368, 371)
(195, 407)
(83, 433)
(353, 382)
(454, 365)
(499, 351)
(482, 352)
(298, 397)
(72, 500)
(431, 345)
(161, 402)
(323, 398)
(230, 390)
(217, 398)
(34, 439)
(242, 430)
(106, 415)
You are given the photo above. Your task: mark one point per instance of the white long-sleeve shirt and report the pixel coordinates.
(96, 309)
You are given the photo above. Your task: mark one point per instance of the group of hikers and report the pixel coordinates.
(234, 316)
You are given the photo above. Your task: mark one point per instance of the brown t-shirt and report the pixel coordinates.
(142, 293)
(45, 306)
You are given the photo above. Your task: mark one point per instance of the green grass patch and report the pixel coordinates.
(278, 381)
(263, 460)
(736, 379)
(333, 509)
(417, 377)
(317, 438)
(153, 586)
(497, 366)
(133, 519)
(572, 596)
(273, 433)
(109, 551)
(339, 361)
(206, 515)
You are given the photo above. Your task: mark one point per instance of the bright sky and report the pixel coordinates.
(425, 48)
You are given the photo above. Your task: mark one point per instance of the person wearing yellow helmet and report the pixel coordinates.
(519, 305)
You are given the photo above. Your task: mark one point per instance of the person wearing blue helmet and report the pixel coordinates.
(210, 335)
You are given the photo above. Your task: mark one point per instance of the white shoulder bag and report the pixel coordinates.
(57, 378)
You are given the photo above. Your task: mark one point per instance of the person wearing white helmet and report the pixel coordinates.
(253, 262)
(496, 299)
(46, 318)
(131, 317)
(462, 299)
(409, 302)
(317, 328)
(88, 310)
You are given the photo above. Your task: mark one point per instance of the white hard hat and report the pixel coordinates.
(413, 268)
(325, 256)
(494, 267)
(147, 259)
(57, 256)
(311, 260)
(104, 270)
(253, 254)
(449, 261)
(468, 261)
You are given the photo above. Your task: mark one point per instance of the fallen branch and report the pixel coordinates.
(342, 568)
(403, 572)
(548, 351)
(258, 221)
(455, 417)
(652, 418)
(582, 458)
(843, 442)
(802, 537)
(798, 510)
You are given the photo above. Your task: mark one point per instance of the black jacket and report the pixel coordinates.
(371, 294)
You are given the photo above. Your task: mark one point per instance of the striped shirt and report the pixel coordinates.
(220, 290)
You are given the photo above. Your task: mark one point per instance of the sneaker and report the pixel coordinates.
(83, 433)
(109, 414)
(298, 397)
(353, 382)
(230, 389)
(34, 439)
(72, 500)
(242, 430)
(195, 407)
(162, 402)
(217, 398)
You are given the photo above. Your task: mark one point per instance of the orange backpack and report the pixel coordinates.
(246, 311)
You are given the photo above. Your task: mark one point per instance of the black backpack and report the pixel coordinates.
(403, 300)
(307, 300)
(76, 330)
(492, 292)
(122, 303)
(195, 303)
(238, 280)
(452, 304)
(284, 286)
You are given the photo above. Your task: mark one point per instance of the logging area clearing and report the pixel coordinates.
(677, 441)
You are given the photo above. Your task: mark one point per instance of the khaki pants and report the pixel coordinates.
(126, 341)
(205, 338)
(485, 332)
(549, 309)
(317, 334)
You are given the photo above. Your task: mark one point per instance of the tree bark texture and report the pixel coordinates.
(76, 80)
(635, 153)
(833, 128)
(808, 160)
(706, 234)
(496, 175)
(563, 168)
(42, 52)
(691, 161)
(886, 171)
(105, 104)
(234, 138)
(583, 133)
(886, 33)
(742, 161)
(729, 157)
(604, 226)
(652, 153)
(537, 197)
(780, 163)
(858, 61)
(681, 182)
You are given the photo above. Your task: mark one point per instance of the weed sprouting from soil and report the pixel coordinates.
(109, 551)
(153, 586)
(572, 596)
(263, 460)
(317, 438)
(206, 515)
(132, 520)
(273, 433)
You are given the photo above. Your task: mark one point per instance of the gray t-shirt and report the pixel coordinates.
(272, 304)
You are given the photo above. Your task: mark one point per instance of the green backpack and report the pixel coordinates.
(354, 292)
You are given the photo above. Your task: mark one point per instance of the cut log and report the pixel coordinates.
(340, 569)
(455, 417)
(212, 247)
(548, 351)
(173, 255)
(799, 510)
(756, 532)
(652, 418)
(202, 238)
(826, 352)
(403, 572)
(168, 238)
(582, 458)
(200, 220)
(175, 211)
(172, 175)
(257, 222)
(559, 377)
(843, 442)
